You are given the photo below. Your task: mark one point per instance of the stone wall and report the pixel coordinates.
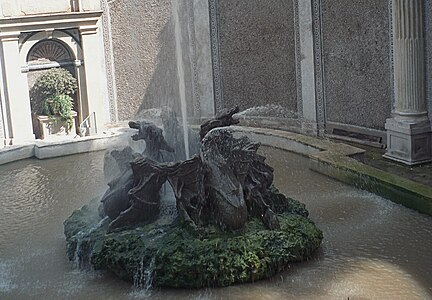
(144, 55)
(356, 56)
(161, 54)
(257, 53)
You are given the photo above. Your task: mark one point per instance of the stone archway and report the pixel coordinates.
(79, 31)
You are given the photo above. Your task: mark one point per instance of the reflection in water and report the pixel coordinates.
(372, 247)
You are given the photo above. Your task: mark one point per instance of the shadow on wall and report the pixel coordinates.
(162, 89)
(144, 50)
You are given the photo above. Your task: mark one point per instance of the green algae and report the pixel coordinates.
(180, 256)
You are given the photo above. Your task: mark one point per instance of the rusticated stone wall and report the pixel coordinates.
(144, 55)
(160, 55)
(356, 56)
(257, 53)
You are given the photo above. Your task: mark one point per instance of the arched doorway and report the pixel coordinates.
(43, 56)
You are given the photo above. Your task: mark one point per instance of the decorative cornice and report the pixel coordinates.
(9, 36)
(50, 22)
(88, 30)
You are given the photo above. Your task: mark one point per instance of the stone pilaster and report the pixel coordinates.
(409, 130)
(306, 61)
(94, 77)
(16, 102)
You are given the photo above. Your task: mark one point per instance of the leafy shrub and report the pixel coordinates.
(56, 81)
(51, 94)
(59, 105)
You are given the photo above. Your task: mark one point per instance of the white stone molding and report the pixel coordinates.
(72, 45)
(95, 79)
(17, 37)
(10, 36)
(15, 96)
(49, 22)
(409, 131)
(306, 66)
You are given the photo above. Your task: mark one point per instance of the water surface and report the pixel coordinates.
(372, 249)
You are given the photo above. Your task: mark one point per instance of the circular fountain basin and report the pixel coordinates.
(372, 248)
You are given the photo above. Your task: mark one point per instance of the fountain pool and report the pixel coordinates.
(372, 247)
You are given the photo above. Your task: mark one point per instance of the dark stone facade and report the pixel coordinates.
(257, 53)
(356, 55)
(144, 55)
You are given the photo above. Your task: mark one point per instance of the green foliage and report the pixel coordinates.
(51, 95)
(56, 81)
(209, 257)
(59, 106)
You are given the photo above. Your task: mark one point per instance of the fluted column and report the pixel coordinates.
(409, 62)
(409, 131)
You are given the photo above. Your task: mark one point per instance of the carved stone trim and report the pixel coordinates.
(392, 89)
(298, 56)
(49, 50)
(319, 66)
(428, 31)
(109, 60)
(193, 58)
(215, 49)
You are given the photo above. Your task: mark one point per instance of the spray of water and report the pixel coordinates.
(143, 278)
(180, 74)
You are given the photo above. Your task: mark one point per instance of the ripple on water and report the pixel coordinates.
(6, 277)
(372, 248)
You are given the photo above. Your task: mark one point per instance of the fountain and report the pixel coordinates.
(373, 248)
(232, 225)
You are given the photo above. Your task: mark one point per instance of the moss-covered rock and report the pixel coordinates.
(177, 256)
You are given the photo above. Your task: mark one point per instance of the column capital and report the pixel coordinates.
(9, 36)
(88, 30)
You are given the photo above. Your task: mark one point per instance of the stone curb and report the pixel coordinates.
(49, 149)
(341, 162)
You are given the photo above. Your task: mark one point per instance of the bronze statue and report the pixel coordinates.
(225, 184)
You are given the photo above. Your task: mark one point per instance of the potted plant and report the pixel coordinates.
(52, 102)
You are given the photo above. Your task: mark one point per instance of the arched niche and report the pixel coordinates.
(45, 50)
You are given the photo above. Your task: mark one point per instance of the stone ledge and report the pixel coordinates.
(14, 153)
(341, 162)
(48, 149)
